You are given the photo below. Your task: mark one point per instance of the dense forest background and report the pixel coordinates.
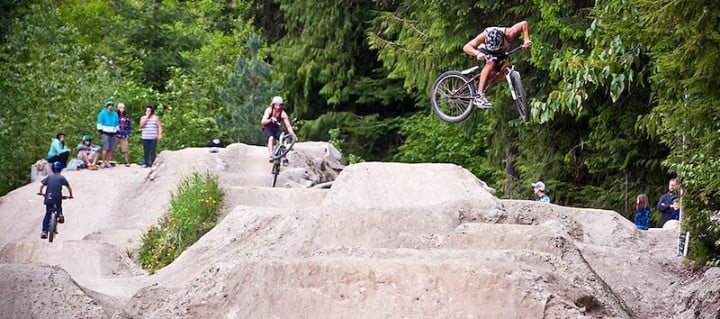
(623, 93)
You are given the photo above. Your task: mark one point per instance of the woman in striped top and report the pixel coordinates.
(151, 134)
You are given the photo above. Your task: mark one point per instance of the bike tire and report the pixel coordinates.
(284, 144)
(520, 96)
(452, 97)
(275, 172)
(52, 226)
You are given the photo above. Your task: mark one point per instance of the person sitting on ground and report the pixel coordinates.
(642, 214)
(58, 151)
(271, 119)
(53, 196)
(539, 190)
(493, 41)
(88, 152)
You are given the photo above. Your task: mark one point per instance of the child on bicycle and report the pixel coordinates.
(53, 196)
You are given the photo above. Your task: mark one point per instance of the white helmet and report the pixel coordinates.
(494, 39)
(277, 100)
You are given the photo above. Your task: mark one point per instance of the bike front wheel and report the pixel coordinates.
(520, 96)
(452, 97)
(284, 144)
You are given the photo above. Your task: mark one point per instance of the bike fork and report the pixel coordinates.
(509, 80)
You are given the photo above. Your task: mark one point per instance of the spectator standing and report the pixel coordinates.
(124, 131)
(151, 134)
(667, 205)
(539, 190)
(642, 212)
(58, 151)
(108, 123)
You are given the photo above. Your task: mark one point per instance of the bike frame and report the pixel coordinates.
(493, 78)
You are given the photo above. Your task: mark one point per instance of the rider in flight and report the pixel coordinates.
(53, 195)
(493, 41)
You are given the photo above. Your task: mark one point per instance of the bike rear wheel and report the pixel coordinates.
(452, 97)
(52, 226)
(520, 96)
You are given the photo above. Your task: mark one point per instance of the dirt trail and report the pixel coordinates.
(387, 240)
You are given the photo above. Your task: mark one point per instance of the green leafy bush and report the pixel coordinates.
(193, 212)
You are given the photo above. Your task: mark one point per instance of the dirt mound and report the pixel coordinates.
(387, 240)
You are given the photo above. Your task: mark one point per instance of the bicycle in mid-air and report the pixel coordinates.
(282, 146)
(52, 225)
(453, 91)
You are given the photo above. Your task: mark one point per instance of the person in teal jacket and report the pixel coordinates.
(108, 124)
(58, 151)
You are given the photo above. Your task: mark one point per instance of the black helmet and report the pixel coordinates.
(494, 39)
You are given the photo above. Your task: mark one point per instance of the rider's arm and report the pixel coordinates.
(471, 47)
(520, 27)
(42, 186)
(266, 117)
(69, 190)
(286, 119)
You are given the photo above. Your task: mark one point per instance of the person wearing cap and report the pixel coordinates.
(108, 124)
(539, 190)
(58, 151)
(271, 121)
(87, 152)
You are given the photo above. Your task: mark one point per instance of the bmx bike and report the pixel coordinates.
(282, 146)
(454, 91)
(52, 224)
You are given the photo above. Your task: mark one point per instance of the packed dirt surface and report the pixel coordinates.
(386, 240)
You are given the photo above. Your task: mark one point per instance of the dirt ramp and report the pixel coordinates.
(41, 291)
(388, 185)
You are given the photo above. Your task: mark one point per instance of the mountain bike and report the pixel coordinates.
(282, 146)
(453, 91)
(52, 225)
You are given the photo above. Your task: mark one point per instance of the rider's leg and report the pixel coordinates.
(480, 100)
(61, 217)
(271, 141)
(46, 219)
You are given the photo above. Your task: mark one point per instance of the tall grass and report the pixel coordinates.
(193, 212)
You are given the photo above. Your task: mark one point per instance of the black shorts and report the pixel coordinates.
(274, 132)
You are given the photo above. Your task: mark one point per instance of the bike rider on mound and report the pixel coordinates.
(494, 41)
(53, 196)
(271, 124)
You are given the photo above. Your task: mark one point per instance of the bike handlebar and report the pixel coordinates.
(63, 196)
(489, 56)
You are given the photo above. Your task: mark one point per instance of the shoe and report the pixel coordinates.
(61, 219)
(127, 164)
(481, 102)
(92, 167)
(43, 235)
(271, 160)
(285, 162)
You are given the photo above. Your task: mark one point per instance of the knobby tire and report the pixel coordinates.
(520, 96)
(452, 97)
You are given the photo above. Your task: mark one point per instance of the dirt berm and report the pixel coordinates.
(387, 240)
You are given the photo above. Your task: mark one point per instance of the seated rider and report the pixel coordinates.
(493, 41)
(53, 196)
(271, 119)
(87, 152)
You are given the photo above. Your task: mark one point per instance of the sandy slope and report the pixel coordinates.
(387, 240)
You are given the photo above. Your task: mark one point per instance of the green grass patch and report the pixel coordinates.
(193, 212)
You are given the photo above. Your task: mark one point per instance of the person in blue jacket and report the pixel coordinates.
(58, 151)
(642, 212)
(108, 124)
